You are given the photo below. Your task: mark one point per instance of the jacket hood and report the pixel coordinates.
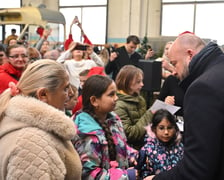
(200, 62)
(87, 124)
(30, 112)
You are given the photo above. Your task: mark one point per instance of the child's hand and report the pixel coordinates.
(149, 177)
(72, 46)
(133, 161)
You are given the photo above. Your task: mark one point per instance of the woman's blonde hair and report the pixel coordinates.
(42, 73)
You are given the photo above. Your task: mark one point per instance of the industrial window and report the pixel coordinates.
(91, 13)
(201, 17)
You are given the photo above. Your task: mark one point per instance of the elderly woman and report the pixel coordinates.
(35, 133)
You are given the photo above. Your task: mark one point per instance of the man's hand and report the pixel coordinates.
(170, 100)
(113, 56)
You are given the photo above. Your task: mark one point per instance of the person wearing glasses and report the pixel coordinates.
(163, 148)
(11, 71)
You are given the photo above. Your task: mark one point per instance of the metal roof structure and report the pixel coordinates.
(30, 16)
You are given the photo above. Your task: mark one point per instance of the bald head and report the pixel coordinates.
(190, 41)
(181, 52)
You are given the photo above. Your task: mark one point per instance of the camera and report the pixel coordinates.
(81, 47)
(113, 49)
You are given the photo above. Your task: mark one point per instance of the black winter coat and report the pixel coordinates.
(204, 119)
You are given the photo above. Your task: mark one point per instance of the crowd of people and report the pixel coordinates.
(75, 114)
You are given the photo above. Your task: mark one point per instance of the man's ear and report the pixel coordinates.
(42, 94)
(191, 53)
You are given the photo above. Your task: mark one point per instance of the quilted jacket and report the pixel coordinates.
(134, 115)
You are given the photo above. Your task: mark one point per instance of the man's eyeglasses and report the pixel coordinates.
(18, 55)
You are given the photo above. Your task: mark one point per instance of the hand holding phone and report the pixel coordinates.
(75, 20)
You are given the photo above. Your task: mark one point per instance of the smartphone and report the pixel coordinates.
(81, 47)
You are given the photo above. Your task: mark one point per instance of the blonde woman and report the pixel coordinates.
(35, 133)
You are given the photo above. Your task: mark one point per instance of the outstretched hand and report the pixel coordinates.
(46, 33)
(75, 20)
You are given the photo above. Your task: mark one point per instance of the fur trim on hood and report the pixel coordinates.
(36, 113)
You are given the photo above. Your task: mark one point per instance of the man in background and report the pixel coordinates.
(123, 56)
(12, 36)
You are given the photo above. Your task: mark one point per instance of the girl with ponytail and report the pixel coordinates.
(101, 142)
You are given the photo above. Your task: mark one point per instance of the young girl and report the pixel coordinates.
(101, 142)
(163, 148)
(77, 64)
(131, 106)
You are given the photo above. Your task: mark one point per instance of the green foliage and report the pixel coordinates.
(160, 53)
(144, 46)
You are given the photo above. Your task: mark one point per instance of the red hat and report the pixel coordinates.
(96, 71)
(186, 32)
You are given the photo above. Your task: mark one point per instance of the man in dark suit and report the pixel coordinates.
(123, 56)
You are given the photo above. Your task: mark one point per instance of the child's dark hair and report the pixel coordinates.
(163, 113)
(96, 85)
